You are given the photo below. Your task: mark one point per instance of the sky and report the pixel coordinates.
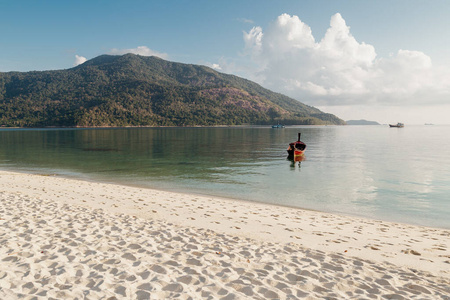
(385, 61)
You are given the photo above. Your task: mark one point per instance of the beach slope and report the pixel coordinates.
(63, 238)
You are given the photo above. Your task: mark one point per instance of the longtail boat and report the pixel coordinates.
(296, 149)
(398, 125)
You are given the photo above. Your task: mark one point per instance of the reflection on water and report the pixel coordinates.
(360, 170)
(296, 162)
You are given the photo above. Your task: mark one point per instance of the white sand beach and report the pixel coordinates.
(71, 239)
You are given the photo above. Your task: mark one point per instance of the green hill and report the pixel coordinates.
(132, 90)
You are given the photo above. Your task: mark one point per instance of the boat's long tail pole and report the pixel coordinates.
(299, 134)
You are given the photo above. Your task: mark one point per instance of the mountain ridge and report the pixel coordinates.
(133, 90)
(362, 122)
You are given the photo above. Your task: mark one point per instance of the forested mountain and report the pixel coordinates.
(132, 90)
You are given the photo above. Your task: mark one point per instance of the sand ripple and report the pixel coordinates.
(61, 251)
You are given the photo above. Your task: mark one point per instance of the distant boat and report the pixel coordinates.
(429, 124)
(296, 149)
(398, 125)
(278, 126)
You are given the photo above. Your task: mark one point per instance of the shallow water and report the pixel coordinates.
(394, 174)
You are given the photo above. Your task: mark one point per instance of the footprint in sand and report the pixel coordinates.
(413, 252)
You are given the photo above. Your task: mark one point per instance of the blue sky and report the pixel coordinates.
(380, 60)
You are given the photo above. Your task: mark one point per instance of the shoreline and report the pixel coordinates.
(253, 234)
(168, 126)
(198, 194)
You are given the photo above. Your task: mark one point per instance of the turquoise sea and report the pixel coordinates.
(394, 174)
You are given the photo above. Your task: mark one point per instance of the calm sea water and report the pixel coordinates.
(371, 171)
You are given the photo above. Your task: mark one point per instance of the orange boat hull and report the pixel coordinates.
(298, 153)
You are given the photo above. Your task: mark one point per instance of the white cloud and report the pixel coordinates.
(216, 67)
(287, 34)
(253, 40)
(141, 50)
(79, 60)
(339, 70)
